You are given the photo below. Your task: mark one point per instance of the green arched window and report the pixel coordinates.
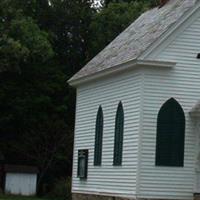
(98, 137)
(119, 132)
(170, 135)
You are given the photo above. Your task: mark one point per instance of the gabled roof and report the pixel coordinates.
(137, 38)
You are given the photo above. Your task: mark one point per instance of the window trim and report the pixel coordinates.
(83, 153)
(119, 136)
(98, 144)
(178, 110)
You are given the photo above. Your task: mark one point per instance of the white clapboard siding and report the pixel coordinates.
(20, 183)
(108, 179)
(183, 83)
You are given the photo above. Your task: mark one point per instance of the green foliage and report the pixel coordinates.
(35, 113)
(69, 27)
(12, 53)
(21, 40)
(37, 106)
(61, 190)
(32, 38)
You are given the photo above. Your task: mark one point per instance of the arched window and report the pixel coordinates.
(98, 137)
(170, 135)
(119, 130)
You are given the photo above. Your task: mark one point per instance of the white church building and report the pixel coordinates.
(137, 129)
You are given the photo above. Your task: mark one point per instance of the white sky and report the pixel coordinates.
(97, 3)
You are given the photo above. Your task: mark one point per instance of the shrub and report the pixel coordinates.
(61, 189)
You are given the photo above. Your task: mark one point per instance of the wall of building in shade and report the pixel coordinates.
(108, 94)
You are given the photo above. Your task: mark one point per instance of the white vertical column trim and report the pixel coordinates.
(140, 134)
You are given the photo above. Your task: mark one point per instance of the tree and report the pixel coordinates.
(46, 150)
(70, 35)
(21, 40)
(34, 125)
(41, 46)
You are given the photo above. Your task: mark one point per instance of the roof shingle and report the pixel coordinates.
(132, 42)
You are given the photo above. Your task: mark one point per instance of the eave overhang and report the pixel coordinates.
(120, 68)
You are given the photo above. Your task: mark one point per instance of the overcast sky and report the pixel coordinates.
(97, 2)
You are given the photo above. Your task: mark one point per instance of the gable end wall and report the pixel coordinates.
(181, 82)
(108, 180)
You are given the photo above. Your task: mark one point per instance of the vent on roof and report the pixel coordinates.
(162, 3)
(198, 56)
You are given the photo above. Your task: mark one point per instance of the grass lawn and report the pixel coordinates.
(8, 197)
